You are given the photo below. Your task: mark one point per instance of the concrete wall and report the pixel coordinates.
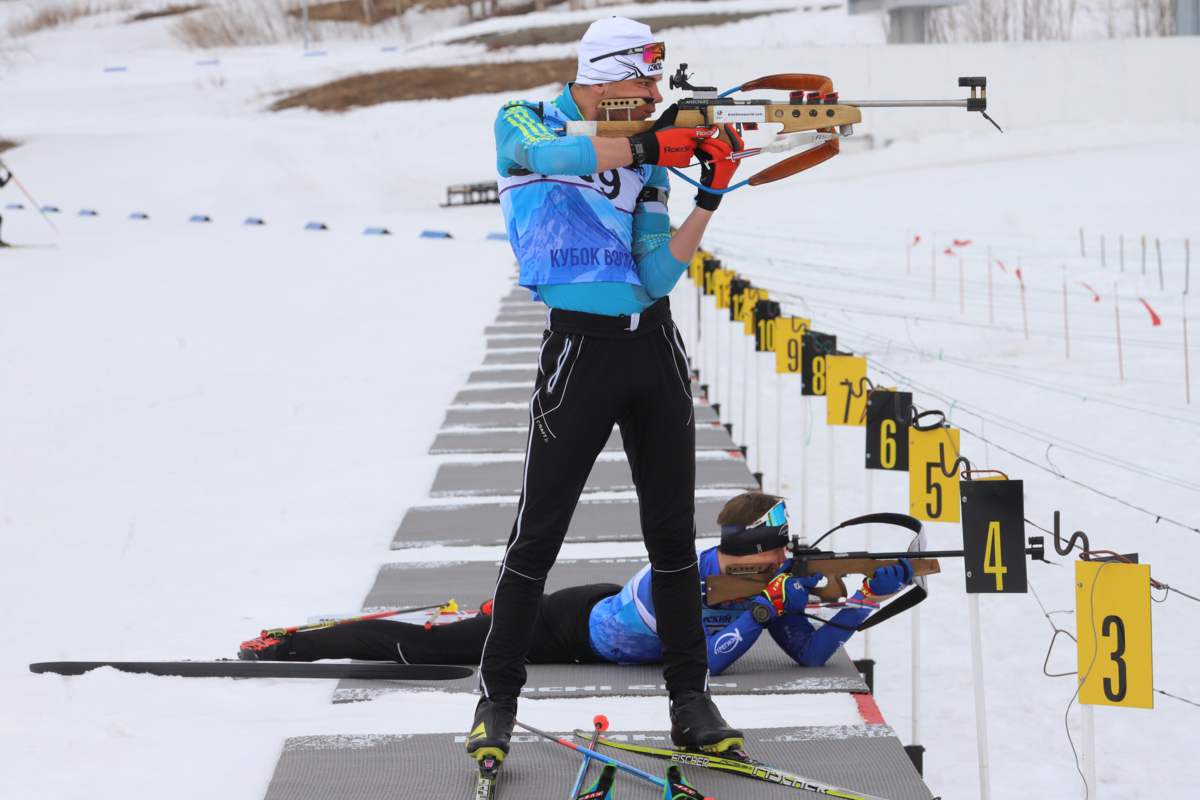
(1030, 84)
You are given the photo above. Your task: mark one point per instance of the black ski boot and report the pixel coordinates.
(492, 728)
(268, 648)
(696, 724)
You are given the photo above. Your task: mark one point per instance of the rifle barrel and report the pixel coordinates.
(904, 103)
(902, 554)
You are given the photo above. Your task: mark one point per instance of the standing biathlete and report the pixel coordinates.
(587, 220)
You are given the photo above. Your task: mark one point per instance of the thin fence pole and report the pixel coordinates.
(1143, 255)
(832, 481)
(1066, 326)
(758, 413)
(908, 253)
(1158, 249)
(991, 309)
(306, 25)
(1102, 250)
(1187, 377)
(933, 263)
(1122, 252)
(1187, 264)
(1117, 307)
(745, 390)
(1082, 252)
(1024, 311)
(805, 435)
(962, 303)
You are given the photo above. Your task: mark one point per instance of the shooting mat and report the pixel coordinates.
(513, 330)
(491, 523)
(521, 314)
(525, 376)
(519, 417)
(529, 356)
(867, 758)
(765, 668)
(511, 342)
(708, 437)
(504, 477)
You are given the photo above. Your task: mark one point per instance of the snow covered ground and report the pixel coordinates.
(211, 428)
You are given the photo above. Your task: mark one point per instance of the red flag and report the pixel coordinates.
(1154, 319)
(1001, 263)
(916, 239)
(948, 251)
(1022, 280)
(961, 242)
(1095, 297)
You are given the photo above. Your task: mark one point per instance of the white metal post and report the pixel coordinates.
(758, 411)
(915, 615)
(779, 434)
(832, 485)
(868, 507)
(306, 25)
(985, 780)
(1087, 747)
(746, 356)
(804, 401)
(729, 399)
(716, 353)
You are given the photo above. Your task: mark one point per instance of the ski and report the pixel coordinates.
(489, 775)
(384, 670)
(735, 761)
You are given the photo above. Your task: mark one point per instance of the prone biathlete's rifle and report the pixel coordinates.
(329, 623)
(813, 114)
(742, 583)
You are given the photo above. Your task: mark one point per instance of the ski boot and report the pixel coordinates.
(267, 648)
(492, 728)
(679, 789)
(602, 788)
(696, 724)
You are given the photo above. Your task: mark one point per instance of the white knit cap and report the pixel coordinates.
(608, 36)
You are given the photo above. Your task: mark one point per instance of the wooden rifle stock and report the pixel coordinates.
(727, 588)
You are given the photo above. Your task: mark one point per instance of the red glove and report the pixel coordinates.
(666, 145)
(716, 169)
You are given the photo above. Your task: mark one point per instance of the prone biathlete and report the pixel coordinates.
(606, 623)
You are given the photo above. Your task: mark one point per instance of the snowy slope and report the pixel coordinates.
(212, 428)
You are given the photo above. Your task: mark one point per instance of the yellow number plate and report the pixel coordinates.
(789, 333)
(846, 390)
(1112, 625)
(932, 494)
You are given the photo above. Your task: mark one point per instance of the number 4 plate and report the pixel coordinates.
(993, 524)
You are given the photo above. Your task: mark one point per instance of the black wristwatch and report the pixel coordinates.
(639, 151)
(761, 614)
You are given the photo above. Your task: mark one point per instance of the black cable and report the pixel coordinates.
(1168, 694)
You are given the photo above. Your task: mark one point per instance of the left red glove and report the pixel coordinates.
(716, 168)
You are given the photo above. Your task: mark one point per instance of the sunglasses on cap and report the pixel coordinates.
(651, 53)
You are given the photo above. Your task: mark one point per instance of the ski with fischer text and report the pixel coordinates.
(735, 761)
(383, 670)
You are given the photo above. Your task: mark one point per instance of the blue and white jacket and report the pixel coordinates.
(623, 628)
(585, 241)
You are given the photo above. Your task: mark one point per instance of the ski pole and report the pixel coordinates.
(451, 606)
(601, 724)
(598, 756)
(27, 194)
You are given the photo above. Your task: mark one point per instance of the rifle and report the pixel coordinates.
(813, 114)
(743, 583)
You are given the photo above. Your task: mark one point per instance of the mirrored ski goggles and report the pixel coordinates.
(651, 53)
(774, 518)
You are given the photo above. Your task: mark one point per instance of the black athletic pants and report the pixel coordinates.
(560, 635)
(594, 371)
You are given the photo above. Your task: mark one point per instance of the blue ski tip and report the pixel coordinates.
(139, 215)
(200, 218)
(436, 235)
(377, 232)
(503, 237)
(253, 221)
(316, 226)
(87, 212)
